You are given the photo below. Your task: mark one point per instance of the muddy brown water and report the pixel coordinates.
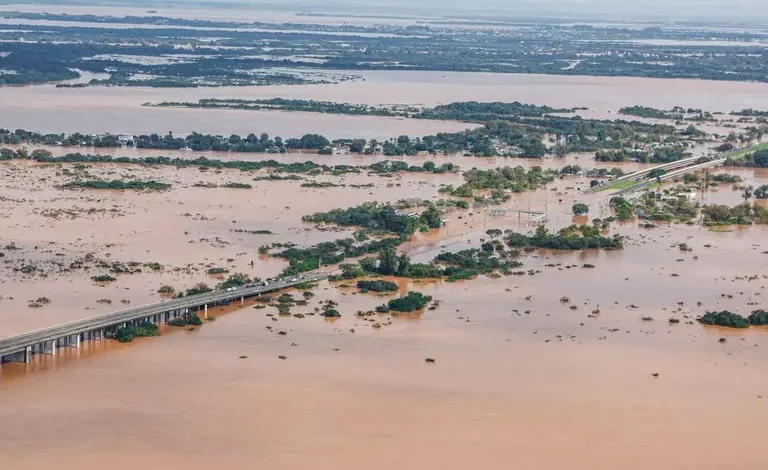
(118, 109)
(521, 379)
(518, 382)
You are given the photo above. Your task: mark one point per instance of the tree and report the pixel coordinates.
(656, 173)
(403, 264)
(350, 271)
(762, 192)
(749, 192)
(432, 217)
(761, 159)
(368, 264)
(494, 233)
(388, 261)
(580, 208)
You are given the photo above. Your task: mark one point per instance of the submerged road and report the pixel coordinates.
(19, 348)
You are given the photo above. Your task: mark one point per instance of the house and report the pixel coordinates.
(341, 150)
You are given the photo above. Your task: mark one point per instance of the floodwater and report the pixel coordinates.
(118, 109)
(521, 379)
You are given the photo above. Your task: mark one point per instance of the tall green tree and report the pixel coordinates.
(432, 217)
(403, 264)
(388, 261)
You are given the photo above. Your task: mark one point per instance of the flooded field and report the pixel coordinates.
(46, 108)
(588, 360)
(513, 362)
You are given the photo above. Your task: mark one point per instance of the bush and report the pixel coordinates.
(724, 318)
(214, 271)
(331, 313)
(126, 334)
(104, 278)
(187, 319)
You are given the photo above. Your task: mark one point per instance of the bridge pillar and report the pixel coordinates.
(22, 356)
(49, 347)
(242, 301)
(206, 311)
(72, 341)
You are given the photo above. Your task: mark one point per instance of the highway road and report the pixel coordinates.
(19, 343)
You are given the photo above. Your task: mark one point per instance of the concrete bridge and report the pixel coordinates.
(673, 175)
(21, 347)
(639, 175)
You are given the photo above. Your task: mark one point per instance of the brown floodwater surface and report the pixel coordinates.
(550, 369)
(118, 109)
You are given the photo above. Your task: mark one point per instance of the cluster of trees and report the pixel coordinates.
(653, 113)
(306, 259)
(652, 206)
(622, 208)
(233, 143)
(473, 111)
(389, 166)
(665, 154)
(677, 113)
(411, 302)
(126, 334)
(21, 136)
(385, 166)
(377, 286)
(281, 104)
(467, 264)
(379, 217)
(186, 319)
(575, 237)
(750, 112)
(514, 179)
(734, 320)
(742, 214)
(580, 208)
(134, 185)
(758, 159)
(513, 136)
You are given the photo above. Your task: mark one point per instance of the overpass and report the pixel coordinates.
(21, 347)
(638, 175)
(673, 175)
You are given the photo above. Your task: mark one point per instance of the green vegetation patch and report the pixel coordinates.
(575, 237)
(724, 318)
(118, 185)
(126, 334)
(411, 302)
(377, 286)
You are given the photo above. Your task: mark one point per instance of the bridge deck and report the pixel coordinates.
(14, 344)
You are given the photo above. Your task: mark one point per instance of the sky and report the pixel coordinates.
(752, 11)
(713, 10)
